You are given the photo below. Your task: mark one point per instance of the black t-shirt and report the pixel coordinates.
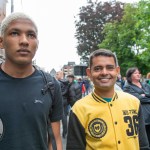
(24, 112)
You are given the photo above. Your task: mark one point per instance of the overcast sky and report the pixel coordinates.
(55, 21)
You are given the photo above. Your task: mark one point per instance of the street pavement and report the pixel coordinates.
(64, 143)
(64, 140)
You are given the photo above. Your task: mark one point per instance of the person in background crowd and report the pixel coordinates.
(123, 81)
(75, 92)
(25, 110)
(75, 80)
(106, 119)
(142, 91)
(83, 89)
(120, 81)
(87, 86)
(148, 78)
(80, 82)
(64, 89)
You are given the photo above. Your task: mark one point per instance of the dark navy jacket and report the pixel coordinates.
(145, 100)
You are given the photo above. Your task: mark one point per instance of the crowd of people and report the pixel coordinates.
(33, 103)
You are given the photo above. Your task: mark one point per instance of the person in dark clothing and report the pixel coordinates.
(142, 91)
(26, 112)
(80, 82)
(75, 92)
(148, 78)
(120, 81)
(64, 84)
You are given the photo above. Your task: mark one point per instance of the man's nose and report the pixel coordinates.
(104, 71)
(24, 39)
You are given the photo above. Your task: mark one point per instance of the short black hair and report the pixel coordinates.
(102, 52)
(70, 76)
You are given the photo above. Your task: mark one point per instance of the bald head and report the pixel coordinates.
(59, 75)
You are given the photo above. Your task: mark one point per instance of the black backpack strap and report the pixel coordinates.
(49, 86)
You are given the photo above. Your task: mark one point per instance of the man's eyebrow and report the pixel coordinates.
(31, 31)
(17, 29)
(14, 29)
(104, 66)
(110, 65)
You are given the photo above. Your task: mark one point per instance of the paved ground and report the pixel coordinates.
(64, 140)
(64, 143)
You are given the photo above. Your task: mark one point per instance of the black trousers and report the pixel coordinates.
(64, 120)
(148, 132)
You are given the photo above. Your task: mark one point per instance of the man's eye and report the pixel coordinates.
(14, 33)
(97, 69)
(31, 35)
(110, 67)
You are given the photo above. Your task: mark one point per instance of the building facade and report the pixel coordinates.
(2, 16)
(2, 9)
(68, 69)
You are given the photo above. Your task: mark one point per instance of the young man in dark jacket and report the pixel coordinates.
(75, 92)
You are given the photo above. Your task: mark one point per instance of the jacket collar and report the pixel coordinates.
(100, 99)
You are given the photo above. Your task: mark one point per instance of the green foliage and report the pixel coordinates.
(129, 38)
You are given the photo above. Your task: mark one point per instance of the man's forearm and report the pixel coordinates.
(58, 144)
(58, 139)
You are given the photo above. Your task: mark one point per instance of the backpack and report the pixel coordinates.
(49, 86)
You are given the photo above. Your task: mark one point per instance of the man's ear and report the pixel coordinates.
(37, 44)
(118, 70)
(88, 72)
(1, 43)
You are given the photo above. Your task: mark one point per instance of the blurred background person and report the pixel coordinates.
(64, 84)
(75, 92)
(148, 78)
(120, 81)
(142, 91)
(87, 85)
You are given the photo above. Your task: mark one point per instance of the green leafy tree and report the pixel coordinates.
(143, 25)
(90, 24)
(129, 38)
